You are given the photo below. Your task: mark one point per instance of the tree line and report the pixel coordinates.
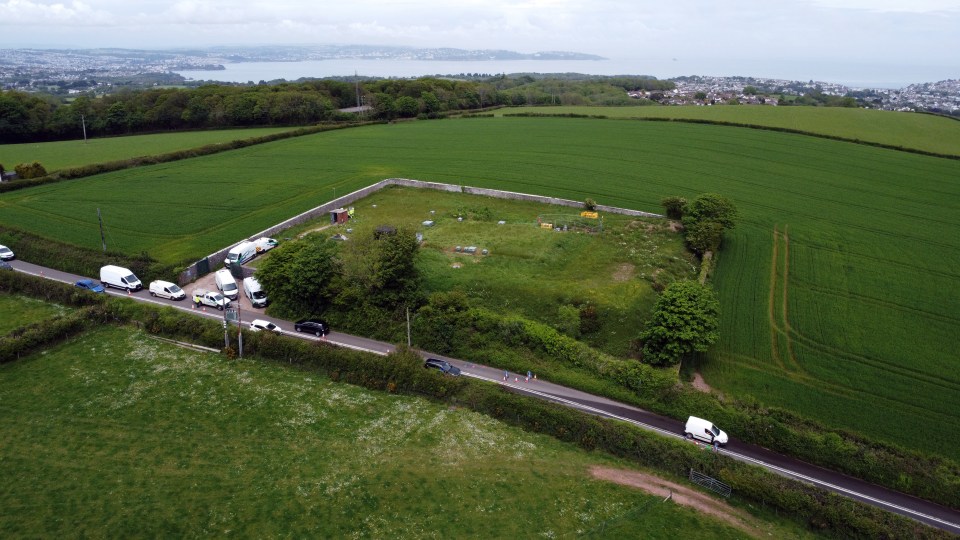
(29, 117)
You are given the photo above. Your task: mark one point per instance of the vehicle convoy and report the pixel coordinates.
(241, 253)
(119, 277)
(704, 430)
(253, 291)
(203, 297)
(226, 284)
(165, 289)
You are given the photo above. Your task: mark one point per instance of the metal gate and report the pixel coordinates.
(203, 266)
(710, 483)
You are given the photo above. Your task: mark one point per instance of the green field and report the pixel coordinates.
(851, 320)
(65, 154)
(117, 435)
(21, 311)
(925, 132)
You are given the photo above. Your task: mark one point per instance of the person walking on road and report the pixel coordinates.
(506, 375)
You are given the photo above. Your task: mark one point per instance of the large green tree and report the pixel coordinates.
(300, 277)
(685, 320)
(705, 219)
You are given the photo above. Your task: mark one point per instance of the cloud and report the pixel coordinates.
(27, 13)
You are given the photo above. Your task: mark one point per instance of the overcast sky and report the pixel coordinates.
(877, 32)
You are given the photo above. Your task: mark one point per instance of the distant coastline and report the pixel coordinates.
(856, 76)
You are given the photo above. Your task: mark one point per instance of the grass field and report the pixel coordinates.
(20, 311)
(530, 270)
(64, 154)
(116, 435)
(909, 130)
(863, 280)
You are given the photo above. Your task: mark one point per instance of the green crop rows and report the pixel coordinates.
(839, 287)
(64, 154)
(924, 132)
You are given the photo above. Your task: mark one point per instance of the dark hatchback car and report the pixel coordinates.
(443, 366)
(4, 265)
(316, 327)
(90, 285)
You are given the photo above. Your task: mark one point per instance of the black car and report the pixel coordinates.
(4, 265)
(443, 366)
(316, 327)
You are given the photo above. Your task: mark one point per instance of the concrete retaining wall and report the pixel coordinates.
(216, 258)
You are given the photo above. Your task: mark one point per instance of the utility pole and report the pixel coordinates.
(102, 239)
(239, 326)
(83, 122)
(408, 327)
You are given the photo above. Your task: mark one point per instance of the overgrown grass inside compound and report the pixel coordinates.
(116, 434)
(65, 154)
(925, 132)
(874, 237)
(532, 271)
(19, 311)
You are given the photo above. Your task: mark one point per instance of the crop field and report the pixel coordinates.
(838, 287)
(909, 130)
(65, 154)
(531, 270)
(116, 435)
(21, 311)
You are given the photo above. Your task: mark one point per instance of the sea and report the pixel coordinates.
(850, 74)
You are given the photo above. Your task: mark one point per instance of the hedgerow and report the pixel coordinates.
(403, 372)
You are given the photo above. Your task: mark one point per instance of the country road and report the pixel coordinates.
(924, 511)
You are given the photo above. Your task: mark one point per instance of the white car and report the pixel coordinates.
(6, 254)
(257, 325)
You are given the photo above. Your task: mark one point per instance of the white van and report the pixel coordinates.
(165, 289)
(226, 284)
(119, 277)
(251, 288)
(241, 253)
(704, 430)
(264, 244)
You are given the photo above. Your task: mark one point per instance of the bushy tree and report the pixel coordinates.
(33, 170)
(685, 320)
(704, 236)
(380, 269)
(673, 206)
(712, 207)
(705, 220)
(300, 277)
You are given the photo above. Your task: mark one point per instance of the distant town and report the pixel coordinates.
(65, 72)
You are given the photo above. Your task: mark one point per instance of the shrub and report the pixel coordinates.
(673, 206)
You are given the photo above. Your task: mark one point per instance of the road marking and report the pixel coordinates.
(734, 455)
(581, 406)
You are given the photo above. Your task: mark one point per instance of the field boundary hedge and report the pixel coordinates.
(402, 372)
(900, 148)
(139, 161)
(463, 335)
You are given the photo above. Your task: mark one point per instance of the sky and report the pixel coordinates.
(753, 32)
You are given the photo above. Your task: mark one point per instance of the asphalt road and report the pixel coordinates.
(924, 511)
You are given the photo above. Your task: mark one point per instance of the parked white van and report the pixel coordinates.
(704, 430)
(241, 253)
(119, 277)
(253, 291)
(226, 284)
(264, 244)
(165, 289)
